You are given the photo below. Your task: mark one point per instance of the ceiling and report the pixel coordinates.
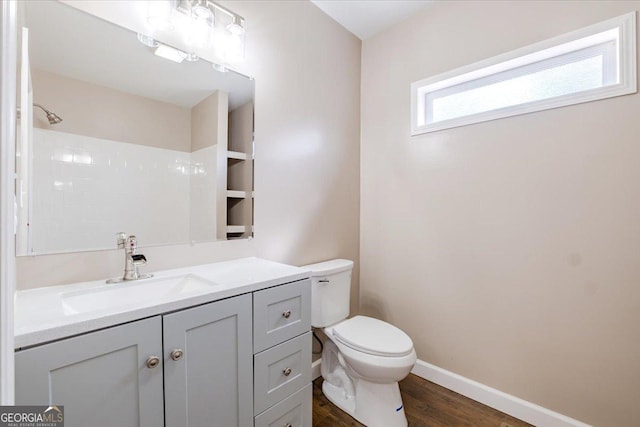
(366, 18)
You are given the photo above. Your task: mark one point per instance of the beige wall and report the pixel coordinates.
(97, 111)
(241, 128)
(307, 118)
(307, 73)
(209, 121)
(508, 250)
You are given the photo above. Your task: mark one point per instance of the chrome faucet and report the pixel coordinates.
(132, 259)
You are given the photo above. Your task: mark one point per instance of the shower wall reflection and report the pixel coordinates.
(139, 165)
(84, 188)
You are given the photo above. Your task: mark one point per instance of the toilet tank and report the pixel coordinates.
(330, 291)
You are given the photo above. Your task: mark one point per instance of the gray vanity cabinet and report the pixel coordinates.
(208, 360)
(228, 363)
(114, 377)
(101, 378)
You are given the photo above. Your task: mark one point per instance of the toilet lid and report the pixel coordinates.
(373, 336)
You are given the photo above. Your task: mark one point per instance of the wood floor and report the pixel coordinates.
(426, 405)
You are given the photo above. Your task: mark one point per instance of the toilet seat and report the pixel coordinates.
(373, 336)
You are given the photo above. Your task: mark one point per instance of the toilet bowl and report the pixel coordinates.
(375, 350)
(363, 358)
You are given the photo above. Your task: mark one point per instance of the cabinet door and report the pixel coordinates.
(211, 384)
(101, 378)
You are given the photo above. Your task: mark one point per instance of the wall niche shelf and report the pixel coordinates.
(240, 173)
(233, 229)
(236, 194)
(237, 155)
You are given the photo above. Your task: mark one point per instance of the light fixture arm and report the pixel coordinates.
(212, 6)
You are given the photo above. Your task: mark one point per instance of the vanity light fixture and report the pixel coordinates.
(234, 49)
(204, 26)
(160, 14)
(200, 10)
(236, 28)
(197, 29)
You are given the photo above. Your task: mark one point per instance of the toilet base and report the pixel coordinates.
(338, 397)
(374, 405)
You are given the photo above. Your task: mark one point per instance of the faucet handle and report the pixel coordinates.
(139, 259)
(132, 243)
(122, 238)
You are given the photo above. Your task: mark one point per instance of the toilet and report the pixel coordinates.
(363, 358)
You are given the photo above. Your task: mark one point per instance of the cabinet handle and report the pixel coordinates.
(177, 354)
(287, 425)
(287, 372)
(152, 362)
(286, 314)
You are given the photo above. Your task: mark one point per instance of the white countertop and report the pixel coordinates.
(41, 317)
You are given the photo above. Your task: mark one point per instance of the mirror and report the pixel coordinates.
(146, 146)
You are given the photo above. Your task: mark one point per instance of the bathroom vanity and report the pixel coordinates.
(224, 344)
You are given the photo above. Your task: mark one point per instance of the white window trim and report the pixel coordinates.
(535, 52)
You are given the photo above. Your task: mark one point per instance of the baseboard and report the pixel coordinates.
(514, 406)
(315, 369)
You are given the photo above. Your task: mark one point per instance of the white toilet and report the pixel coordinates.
(364, 358)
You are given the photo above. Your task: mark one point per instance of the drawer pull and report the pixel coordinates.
(177, 354)
(152, 362)
(286, 314)
(287, 372)
(287, 425)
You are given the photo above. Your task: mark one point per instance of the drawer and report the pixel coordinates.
(281, 371)
(294, 411)
(281, 313)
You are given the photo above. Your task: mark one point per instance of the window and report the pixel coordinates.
(593, 63)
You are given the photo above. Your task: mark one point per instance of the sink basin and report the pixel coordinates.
(137, 293)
